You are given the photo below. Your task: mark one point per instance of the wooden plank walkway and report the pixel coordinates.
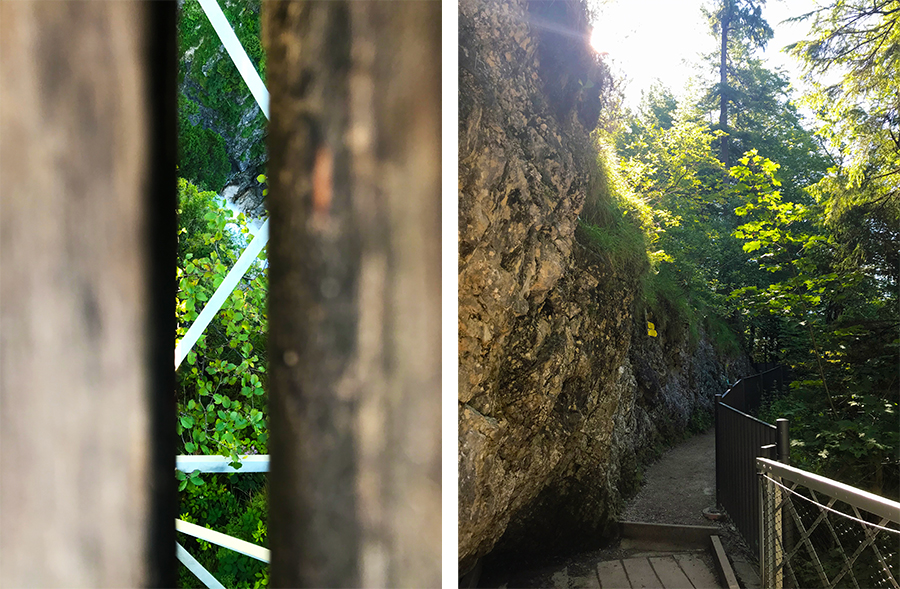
(672, 571)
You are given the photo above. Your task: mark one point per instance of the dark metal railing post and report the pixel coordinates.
(782, 425)
(718, 448)
(784, 440)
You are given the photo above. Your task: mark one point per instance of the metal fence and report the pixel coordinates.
(738, 441)
(739, 437)
(746, 394)
(817, 532)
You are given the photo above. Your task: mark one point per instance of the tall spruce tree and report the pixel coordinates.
(737, 23)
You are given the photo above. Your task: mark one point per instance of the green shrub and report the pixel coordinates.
(202, 157)
(221, 387)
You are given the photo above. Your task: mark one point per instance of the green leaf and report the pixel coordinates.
(187, 421)
(752, 246)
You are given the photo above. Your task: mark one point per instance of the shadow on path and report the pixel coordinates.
(679, 486)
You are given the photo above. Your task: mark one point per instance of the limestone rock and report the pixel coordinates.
(561, 391)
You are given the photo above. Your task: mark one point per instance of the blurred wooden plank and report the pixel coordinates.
(87, 290)
(723, 565)
(355, 293)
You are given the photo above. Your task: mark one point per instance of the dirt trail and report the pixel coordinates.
(679, 486)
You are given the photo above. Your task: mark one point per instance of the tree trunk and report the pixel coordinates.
(87, 284)
(723, 83)
(355, 497)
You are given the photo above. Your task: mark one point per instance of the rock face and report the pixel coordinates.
(561, 391)
(244, 135)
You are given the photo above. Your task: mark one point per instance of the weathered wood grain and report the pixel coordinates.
(87, 250)
(354, 256)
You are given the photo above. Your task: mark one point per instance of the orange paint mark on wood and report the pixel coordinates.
(322, 180)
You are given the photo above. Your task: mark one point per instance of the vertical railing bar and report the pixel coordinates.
(195, 567)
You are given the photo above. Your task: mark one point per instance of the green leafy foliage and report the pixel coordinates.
(222, 385)
(843, 346)
(215, 103)
(776, 256)
(852, 61)
(614, 222)
(666, 156)
(236, 505)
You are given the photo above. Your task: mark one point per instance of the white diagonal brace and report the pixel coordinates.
(220, 539)
(218, 299)
(195, 567)
(238, 55)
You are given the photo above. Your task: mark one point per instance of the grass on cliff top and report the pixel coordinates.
(614, 223)
(618, 226)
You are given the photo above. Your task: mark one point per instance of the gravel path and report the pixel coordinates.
(677, 489)
(679, 486)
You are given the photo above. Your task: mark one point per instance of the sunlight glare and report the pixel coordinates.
(597, 41)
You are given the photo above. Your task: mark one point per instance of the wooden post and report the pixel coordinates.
(87, 271)
(354, 294)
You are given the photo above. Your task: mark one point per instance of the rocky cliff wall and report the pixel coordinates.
(561, 391)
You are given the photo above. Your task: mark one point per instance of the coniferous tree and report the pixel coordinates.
(737, 23)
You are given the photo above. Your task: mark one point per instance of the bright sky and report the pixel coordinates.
(650, 39)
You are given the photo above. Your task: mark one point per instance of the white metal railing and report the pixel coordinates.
(259, 463)
(220, 539)
(222, 463)
(819, 532)
(253, 463)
